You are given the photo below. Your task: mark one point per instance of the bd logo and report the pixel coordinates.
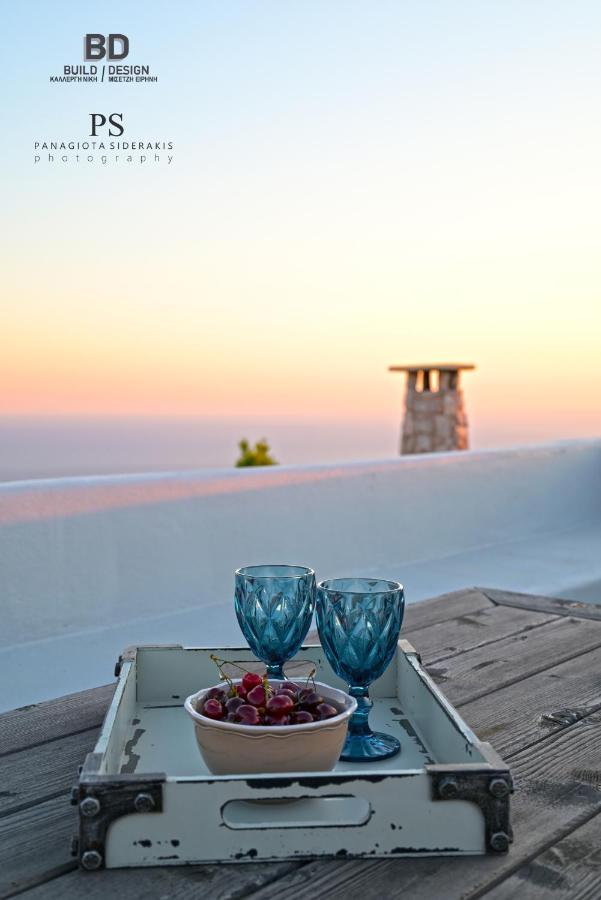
(97, 46)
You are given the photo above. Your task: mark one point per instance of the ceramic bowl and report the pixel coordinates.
(229, 748)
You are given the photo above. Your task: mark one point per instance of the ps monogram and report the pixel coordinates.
(115, 120)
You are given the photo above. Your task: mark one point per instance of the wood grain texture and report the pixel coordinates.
(457, 622)
(42, 722)
(553, 797)
(555, 605)
(227, 882)
(480, 628)
(43, 772)
(512, 659)
(569, 870)
(34, 844)
(531, 709)
(502, 681)
(443, 608)
(49, 826)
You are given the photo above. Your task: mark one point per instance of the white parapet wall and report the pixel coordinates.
(84, 557)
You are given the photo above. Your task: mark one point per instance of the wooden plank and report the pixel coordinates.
(462, 615)
(468, 631)
(46, 721)
(555, 605)
(529, 710)
(37, 840)
(175, 883)
(34, 844)
(568, 870)
(554, 796)
(35, 837)
(228, 882)
(510, 660)
(443, 608)
(35, 849)
(43, 772)
(179, 881)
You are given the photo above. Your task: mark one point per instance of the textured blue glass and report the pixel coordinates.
(359, 620)
(274, 606)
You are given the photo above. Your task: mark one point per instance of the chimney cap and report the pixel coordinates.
(440, 367)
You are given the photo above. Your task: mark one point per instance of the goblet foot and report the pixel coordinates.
(368, 747)
(276, 670)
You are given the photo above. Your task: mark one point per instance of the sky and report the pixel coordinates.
(353, 185)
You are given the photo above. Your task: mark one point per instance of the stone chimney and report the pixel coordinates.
(435, 419)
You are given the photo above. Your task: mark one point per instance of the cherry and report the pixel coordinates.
(285, 693)
(326, 711)
(247, 714)
(301, 717)
(310, 700)
(253, 701)
(279, 705)
(213, 709)
(216, 694)
(257, 696)
(251, 680)
(277, 720)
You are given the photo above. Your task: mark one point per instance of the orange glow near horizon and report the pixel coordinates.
(322, 353)
(324, 218)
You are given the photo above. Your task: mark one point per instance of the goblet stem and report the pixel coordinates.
(359, 721)
(276, 670)
(362, 744)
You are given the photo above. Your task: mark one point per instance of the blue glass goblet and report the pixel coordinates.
(359, 620)
(274, 606)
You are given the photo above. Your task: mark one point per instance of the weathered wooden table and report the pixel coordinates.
(525, 672)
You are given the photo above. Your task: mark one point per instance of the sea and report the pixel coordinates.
(33, 447)
(58, 446)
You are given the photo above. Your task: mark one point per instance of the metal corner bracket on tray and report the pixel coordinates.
(489, 790)
(102, 799)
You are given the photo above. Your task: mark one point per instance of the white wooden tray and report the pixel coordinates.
(146, 798)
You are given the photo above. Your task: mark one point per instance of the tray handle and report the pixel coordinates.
(330, 811)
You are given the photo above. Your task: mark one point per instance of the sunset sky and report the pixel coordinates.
(354, 185)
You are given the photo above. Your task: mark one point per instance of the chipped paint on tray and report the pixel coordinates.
(132, 759)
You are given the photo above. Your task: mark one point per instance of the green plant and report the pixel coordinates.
(259, 455)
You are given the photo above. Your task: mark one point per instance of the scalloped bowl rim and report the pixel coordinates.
(350, 705)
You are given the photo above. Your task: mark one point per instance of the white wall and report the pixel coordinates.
(93, 552)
